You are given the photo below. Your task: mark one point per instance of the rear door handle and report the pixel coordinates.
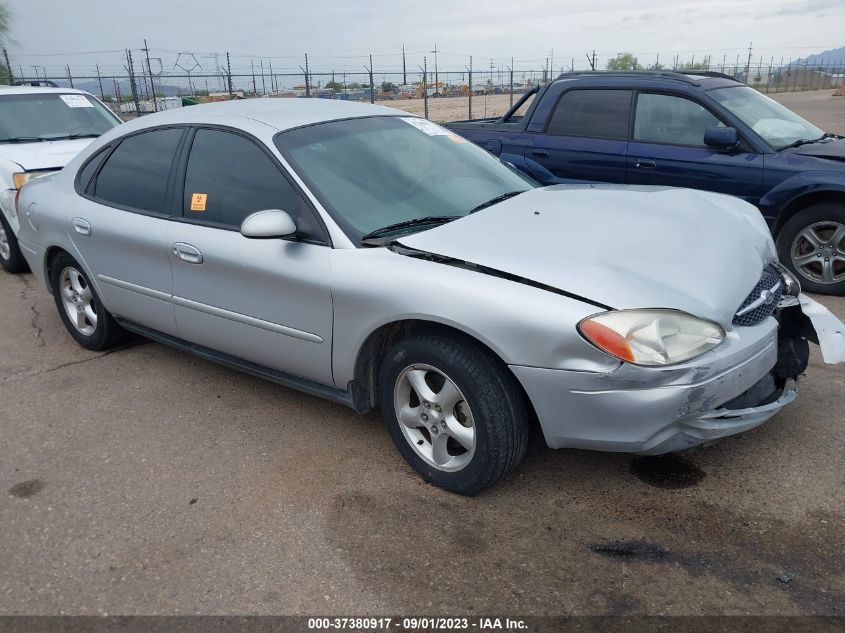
(645, 163)
(187, 253)
(540, 153)
(81, 226)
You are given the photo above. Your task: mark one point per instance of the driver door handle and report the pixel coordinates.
(187, 253)
(645, 163)
(540, 153)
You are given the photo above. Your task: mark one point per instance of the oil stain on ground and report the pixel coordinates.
(26, 489)
(666, 471)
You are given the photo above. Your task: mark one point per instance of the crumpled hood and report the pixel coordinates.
(45, 155)
(830, 149)
(625, 247)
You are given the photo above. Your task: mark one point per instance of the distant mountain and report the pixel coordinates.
(833, 57)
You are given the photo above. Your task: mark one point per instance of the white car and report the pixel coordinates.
(41, 129)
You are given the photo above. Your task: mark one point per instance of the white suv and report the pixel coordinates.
(41, 129)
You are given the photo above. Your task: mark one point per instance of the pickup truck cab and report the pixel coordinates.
(41, 129)
(703, 131)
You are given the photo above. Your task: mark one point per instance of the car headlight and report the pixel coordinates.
(653, 338)
(19, 178)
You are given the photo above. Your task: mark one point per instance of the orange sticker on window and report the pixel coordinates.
(198, 201)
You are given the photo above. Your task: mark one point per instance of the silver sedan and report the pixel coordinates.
(373, 258)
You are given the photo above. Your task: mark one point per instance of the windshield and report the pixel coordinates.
(47, 116)
(375, 172)
(777, 125)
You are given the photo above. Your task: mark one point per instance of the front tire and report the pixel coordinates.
(454, 412)
(812, 245)
(80, 309)
(11, 257)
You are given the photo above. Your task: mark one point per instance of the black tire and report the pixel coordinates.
(826, 212)
(106, 333)
(495, 398)
(14, 263)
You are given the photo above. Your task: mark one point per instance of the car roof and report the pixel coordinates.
(702, 79)
(25, 90)
(280, 113)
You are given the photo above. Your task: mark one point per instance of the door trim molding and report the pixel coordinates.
(141, 290)
(246, 320)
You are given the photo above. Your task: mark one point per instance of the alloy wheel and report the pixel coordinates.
(818, 252)
(78, 301)
(434, 417)
(5, 248)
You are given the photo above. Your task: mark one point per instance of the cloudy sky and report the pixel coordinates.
(337, 34)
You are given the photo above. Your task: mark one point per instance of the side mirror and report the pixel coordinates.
(721, 137)
(268, 224)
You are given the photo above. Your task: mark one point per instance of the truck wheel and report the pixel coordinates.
(454, 412)
(812, 245)
(11, 257)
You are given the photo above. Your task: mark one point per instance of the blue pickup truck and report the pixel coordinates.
(703, 131)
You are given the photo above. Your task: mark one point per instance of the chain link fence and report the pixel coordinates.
(467, 93)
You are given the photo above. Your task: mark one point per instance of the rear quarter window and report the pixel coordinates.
(592, 113)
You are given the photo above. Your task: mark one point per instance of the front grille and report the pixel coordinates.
(764, 298)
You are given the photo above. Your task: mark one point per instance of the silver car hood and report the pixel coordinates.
(44, 155)
(625, 247)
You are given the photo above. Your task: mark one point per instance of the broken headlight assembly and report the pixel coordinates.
(653, 338)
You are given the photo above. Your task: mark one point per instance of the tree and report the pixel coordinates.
(334, 86)
(388, 86)
(623, 61)
(694, 65)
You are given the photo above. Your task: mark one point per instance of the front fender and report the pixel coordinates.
(522, 324)
(786, 196)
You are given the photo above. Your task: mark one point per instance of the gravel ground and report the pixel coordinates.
(147, 481)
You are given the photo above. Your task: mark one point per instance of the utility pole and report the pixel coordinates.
(436, 79)
(131, 70)
(510, 90)
(254, 86)
(425, 87)
(9, 67)
(748, 66)
(404, 73)
(469, 77)
(272, 78)
(150, 71)
(372, 88)
(591, 60)
(307, 80)
(229, 73)
(69, 78)
(263, 83)
(100, 81)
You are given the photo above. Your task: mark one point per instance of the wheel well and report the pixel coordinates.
(49, 256)
(803, 202)
(378, 343)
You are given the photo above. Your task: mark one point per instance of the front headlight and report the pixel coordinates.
(651, 337)
(22, 176)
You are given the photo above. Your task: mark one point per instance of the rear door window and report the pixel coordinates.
(136, 174)
(592, 113)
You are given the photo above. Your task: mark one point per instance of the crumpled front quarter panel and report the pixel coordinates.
(522, 324)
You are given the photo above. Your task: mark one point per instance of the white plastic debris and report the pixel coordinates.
(830, 330)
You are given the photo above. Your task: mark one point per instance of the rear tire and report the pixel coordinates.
(11, 257)
(812, 245)
(479, 434)
(80, 309)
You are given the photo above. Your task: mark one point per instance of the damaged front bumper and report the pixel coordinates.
(734, 388)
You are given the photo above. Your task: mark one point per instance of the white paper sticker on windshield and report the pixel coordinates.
(424, 125)
(76, 101)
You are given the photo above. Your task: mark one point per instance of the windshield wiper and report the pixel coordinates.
(496, 200)
(22, 139)
(806, 141)
(372, 238)
(67, 137)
